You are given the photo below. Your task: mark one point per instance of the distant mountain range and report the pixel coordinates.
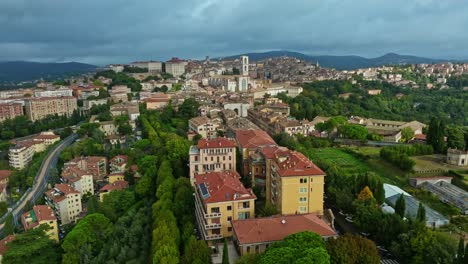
(342, 62)
(17, 71)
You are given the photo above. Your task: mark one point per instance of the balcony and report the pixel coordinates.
(213, 215)
(213, 237)
(201, 209)
(212, 226)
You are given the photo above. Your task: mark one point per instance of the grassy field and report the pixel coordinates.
(341, 159)
(432, 162)
(387, 172)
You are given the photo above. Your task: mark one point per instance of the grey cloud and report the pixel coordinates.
(106, 31)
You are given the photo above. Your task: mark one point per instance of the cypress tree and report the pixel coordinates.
(379, 193)
(421, 215)
(400, 206)
(225, 253)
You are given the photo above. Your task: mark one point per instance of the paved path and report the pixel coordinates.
(41, 179)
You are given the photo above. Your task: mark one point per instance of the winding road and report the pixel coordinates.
(41, 179)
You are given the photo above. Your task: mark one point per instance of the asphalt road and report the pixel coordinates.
(41, 179)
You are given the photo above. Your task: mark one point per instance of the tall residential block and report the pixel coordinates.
(221, 198)
(39, 108)
(10, 110)
(294, 184)
(210, 155)
(66, 202)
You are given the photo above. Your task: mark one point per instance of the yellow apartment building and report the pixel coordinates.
(221, 198)
(294, 183)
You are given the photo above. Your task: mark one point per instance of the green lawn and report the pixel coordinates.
(387, 172)
(369, 151)
(340, 158)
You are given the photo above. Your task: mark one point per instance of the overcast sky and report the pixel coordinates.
(110, 31)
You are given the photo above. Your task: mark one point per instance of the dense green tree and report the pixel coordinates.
(352, 131)
(351, 249)
(125, 129)
(407, 134)
(32, 246)
(455, 138)
(196, 252)
(9, 226)
(116, 203)
(3, 208)
(268, 210)
(86, 239)
(400, 206)
(248, 258)
(189, 108)
(130, 239)
(303, 247)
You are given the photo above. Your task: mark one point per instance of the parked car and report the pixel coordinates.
(349, 219)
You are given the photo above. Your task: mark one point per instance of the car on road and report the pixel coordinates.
(349, 219)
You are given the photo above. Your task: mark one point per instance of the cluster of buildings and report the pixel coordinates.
(226, 208)
(83, 177)
(406, 76)
(23, 151)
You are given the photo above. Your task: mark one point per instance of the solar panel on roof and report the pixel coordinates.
(204, 191)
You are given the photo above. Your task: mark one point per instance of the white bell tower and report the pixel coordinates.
(245, 65)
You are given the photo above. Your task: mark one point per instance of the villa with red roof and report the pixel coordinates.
(110, 187)
(220, 198)
(41, 215)
(255, 235)
(218, 154)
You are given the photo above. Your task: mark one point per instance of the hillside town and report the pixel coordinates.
(229, 152)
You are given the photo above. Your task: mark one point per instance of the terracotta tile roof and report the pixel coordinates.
(254, 139)
(119, 160)
(200, 120)
(63, 191)
(219, 142)
(38, 214)
(270, 152)
(276, 228)
(293, 163)
(44, 213)
(118, 185)
(420, 136)
(45, 137)
(223, 186)
(5, 174)
(157, 100)
(4, 242)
